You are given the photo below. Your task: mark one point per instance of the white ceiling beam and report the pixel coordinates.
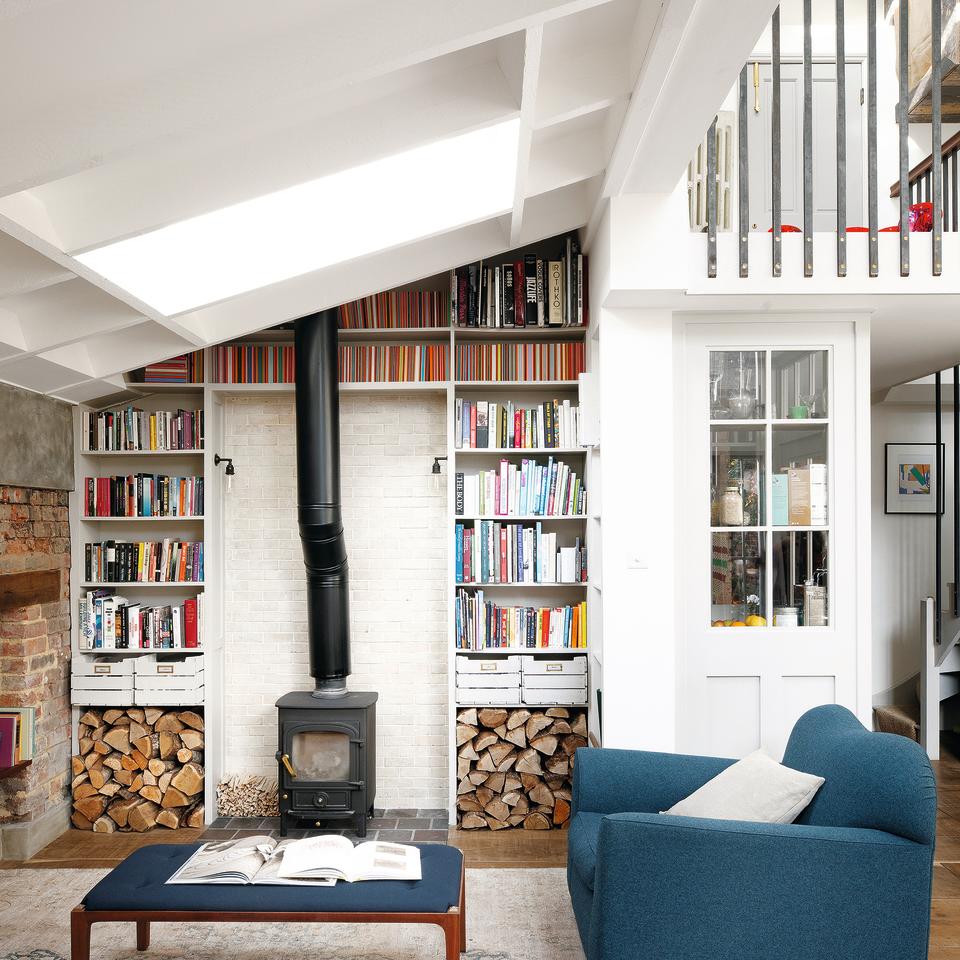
(58, 257)
(189, 69)
(696, 52)
(532, 47)
(23, 269)
(137, 194)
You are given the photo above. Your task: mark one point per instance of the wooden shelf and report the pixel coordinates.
(524, 516)
(141, 519)
(137, 652)
(150, 585)
(15, 769)
(520, 451)
(519, 586)
(141, 453)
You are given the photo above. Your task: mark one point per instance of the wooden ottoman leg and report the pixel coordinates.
(463, 910)
(143, 934)
(451, 935)
(79, 934)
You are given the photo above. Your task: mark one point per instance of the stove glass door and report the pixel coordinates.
(321, 755)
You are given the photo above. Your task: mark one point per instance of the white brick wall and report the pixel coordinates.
(396, 544)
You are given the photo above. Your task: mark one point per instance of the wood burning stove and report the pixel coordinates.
(327, 760)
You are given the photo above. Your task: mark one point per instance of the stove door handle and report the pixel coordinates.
(291, 769)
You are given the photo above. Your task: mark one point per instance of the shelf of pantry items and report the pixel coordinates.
(150, 584)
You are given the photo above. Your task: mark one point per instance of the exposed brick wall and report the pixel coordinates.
(35, 647)
(396, 543)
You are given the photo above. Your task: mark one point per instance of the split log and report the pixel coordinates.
(517, 718)
(465, 733)
(484, 740)
(102, 748)
(168, 723)
(168, 818)
(468, 717)
(191, 739)
(110, 717)
(472, 821)
(536, 821)
(91, 807)
(536, 723)
(191, 719)
(193, 817)
(547, 745)
(143, 816)
(114, 762)
(561, 712)
(118, 738)
(463, 767)
(76, 766)
(92, 719)
(469, 804)
(467, 752)
(491, 717)
(136, 714)
(151, 793)
(529, 762)
(84, 790)
(152, 714)
(517, 736)
(497, 809)
(80, 821)
(189, 780)
(104, 825)
(561, 812)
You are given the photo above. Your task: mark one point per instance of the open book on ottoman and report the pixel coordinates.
(313, 861)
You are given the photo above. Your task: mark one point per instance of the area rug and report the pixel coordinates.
(511, 915)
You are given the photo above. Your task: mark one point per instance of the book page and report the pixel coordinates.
(228, 861)
(328, 856)
(378, 860)
(269, 872)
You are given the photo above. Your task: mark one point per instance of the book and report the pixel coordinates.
(555, 293)
(245, 860)
(401, 309)
(483, 625)
(132, 429)
(8, 741)
(336, 858)
(519, 361)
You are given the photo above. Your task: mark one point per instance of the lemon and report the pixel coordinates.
(756, 621)
(717, 623)
(737, 623)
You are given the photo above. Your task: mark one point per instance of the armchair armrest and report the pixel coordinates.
(680, 887)
(617, 781)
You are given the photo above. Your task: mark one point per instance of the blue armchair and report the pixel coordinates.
(850, 880)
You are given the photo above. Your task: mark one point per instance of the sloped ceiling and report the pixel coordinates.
(131, 116)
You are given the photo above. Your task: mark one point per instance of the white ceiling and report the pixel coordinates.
(122, 117)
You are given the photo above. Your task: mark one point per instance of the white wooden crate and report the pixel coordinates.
(541, 666)
(153, 665)
(510, 663)
(467, 697)
(551, 698)
(559, 681)
(488, 681)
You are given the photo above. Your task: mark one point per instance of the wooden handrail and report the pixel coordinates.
(924, 166)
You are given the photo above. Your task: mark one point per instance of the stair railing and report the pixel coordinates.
(929, 181)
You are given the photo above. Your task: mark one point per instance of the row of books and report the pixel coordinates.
(526, 292)
(143, 495)
(483, 625)
(798, 496)
(131, 428)
(359, 363)
(519, 361)
(397, 310)
(492, 552)
(529, 488)
(393, 363)
(110, 622)
(143, 561)
(18, 735)
(187, 368)
(485, 425)
(254, 363)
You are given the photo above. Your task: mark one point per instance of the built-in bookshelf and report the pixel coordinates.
(530, 377)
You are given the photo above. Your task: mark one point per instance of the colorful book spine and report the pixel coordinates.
(399, 310)
(132, 429)
(143, 495)
(519, 361)
(483, 625)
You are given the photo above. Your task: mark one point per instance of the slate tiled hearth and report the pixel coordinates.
(406, 826)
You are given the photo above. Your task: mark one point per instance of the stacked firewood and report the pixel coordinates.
(138, 768)
(515, 766)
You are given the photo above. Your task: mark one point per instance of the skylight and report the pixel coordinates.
(375, 206)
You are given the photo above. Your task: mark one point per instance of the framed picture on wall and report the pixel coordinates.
(912, 478)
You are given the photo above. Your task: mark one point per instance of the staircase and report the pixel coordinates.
(939, 678)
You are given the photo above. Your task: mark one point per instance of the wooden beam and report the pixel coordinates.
(532, 50)
(26, 589)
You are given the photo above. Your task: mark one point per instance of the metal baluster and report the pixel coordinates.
(775, 199)
(872, 207)
(945, 173)
(936, 487)
(807, 140)
(954, 192)
(936, 171)
(743, 176)
(841, 146)
(712, 199)
(956, 491)
(903, 64)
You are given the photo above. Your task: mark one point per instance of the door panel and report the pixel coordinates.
(824, 147)
(768, 531)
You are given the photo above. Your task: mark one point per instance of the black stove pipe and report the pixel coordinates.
(318, 501)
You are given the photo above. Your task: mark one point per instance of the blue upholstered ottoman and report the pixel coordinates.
(135, 891)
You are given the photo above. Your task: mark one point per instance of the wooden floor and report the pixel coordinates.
(505, 848)
(520, 848)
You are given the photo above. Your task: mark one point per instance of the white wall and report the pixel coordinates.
(903, 551)
(396, 538)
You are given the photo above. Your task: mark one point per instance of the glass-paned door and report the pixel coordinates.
(769, 528)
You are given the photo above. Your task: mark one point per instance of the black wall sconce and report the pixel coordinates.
(435, 473)
(229, 472)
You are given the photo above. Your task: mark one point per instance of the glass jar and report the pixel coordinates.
(786, 616)
(731, 507)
